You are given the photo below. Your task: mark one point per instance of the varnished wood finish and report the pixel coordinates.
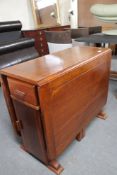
(71, 89)
(25, 103)
(46, 68)
(40, 40)
(31, 130)
(74, 111)
(55, 167)
(81, 135)
(23, 91)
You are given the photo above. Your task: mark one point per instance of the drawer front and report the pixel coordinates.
(23, 91)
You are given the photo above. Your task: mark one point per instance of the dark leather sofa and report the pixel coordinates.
(10, 30)
(14, 48)
(16, 52)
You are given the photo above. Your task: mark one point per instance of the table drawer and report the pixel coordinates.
(23, 91)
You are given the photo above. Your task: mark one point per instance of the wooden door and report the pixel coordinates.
(29, 122)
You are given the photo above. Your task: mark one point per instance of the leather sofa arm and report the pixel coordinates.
(16, 45)
(8, 26)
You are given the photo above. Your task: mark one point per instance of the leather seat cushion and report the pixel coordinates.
(18, 56)
(16, 45)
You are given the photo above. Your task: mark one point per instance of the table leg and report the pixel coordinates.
(55, 167)
(113, 74)
(81, 135)
(102, 115)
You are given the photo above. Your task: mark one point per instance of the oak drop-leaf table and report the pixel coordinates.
(53, 98)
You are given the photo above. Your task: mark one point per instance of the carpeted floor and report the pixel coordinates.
(96, 154)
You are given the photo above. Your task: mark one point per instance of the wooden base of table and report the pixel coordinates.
(23, 148)
(55, 167)
(113, 74)
(102, 115)
(81, 135)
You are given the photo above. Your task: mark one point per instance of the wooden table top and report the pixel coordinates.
(47, 67)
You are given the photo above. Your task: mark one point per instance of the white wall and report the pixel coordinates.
(22, 10)
(17, 10)
(64, 11)
(45, 3)
(74, 16)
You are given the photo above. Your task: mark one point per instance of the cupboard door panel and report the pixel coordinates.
(29, 122)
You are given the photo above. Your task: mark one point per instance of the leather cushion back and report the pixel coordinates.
(10, 36)
(10, 31)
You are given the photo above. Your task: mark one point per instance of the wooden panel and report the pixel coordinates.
(23, 91)
(84, 96)
(40, 41)
(31, 130)
(45, 15)
(85, 18)
(71, 101)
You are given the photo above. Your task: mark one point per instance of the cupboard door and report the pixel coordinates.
(29, 123)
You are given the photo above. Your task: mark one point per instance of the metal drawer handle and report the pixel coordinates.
(19, 93)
